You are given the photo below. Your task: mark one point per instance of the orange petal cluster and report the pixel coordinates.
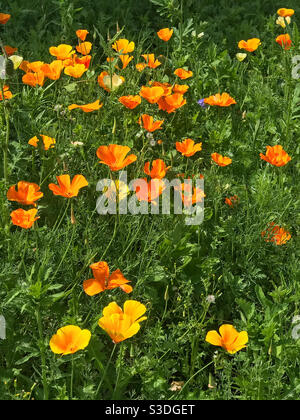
(66, 188)
(276, 155)
(229, 338)
(103, 280)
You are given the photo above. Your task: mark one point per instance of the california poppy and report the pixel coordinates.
(10, 50)
(81, 34)
(69, 340)
(276, 234)
(229, 338)
(49, 142)
(159, 169)
(114, 156)
(171, 102)
(183, 74)
(241, 56)
(152, 94)
(190, 195)
(167, 87)
(165, 34)
(52, 70)
(140, 66)
(276, 156)
(122, 324)
(103, 280)
(84, 48)
(6, 91)
(125, 58)
(27, 193)
(284, 41)
(62, 51)
(4, 17)
(220, 100)
(188, 147)
(149, 124)
(285, 12)
(130, 101)
(33, 79)
(221, 160)
(123, 46)
(149, 191)
(182, 89)
(232, 201)
(66, 188)
(250, 45)
(150, 60)
(283, 21)
(75, 71)
(86, 59)
(94, 106)
(23, 218)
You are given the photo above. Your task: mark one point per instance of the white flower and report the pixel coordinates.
(210, 299)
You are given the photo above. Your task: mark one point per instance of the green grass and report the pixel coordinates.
(172, 267)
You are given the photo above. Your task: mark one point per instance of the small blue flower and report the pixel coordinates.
(201, 103)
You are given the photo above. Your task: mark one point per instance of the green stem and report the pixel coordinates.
(105, 372)
(119, 369)
(42, 350)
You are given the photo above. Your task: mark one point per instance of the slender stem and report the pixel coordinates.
(105, 372)
(42, 350)
(119, 369)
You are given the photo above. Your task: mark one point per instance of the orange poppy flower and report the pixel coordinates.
(275, 155)
(249, 45)
(125, 58)
(94, 106)
(122, 324)
(150, 61)
(66, 188)
(285, 12)
(140, 66)
(110, 83)
(284, 41)
(62, 51)
(159, 169)
(114, 156)
(149, 124)
(23, 218)
(7, 93)
(232, 201)
(83, 60)
(33, 79)
(166, 87)
(27, 193)
(188, 147)
(24, 66)
(81, 34)
(149, 191)
(104, 281)
(171, 102)
(183, 74)
(49, 142)
(130, 101)
(220, 100)
(152, 94)
(9, 50)
(190, 195)
(229, 338)
(123, 46)
(75, 71)
(35, 66)
(84, 48)
(4, 17)
(276, 234)
(180, 89)
(52, 70)
(69, 340)
(221, 160)
(165, 34)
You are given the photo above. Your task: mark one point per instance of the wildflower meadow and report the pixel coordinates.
(149, 200)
